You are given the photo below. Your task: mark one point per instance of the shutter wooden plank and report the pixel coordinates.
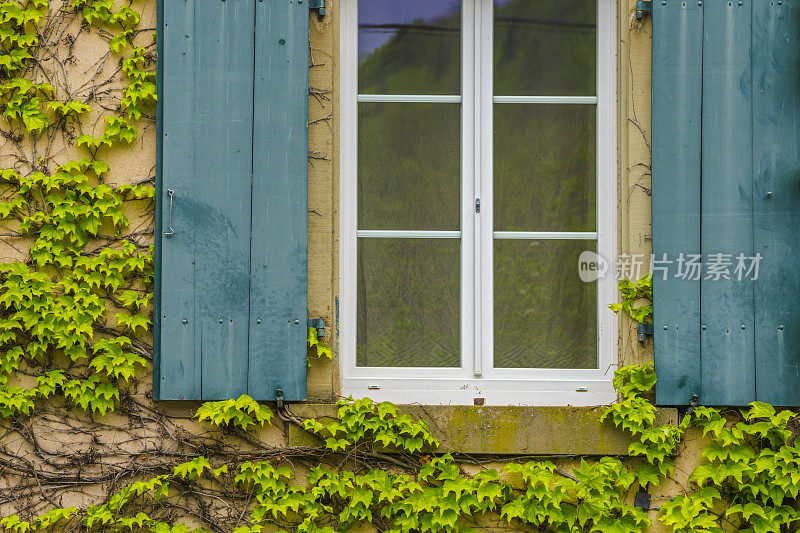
(727, 345)
(279, 270)
(207, 105)
(677, 85)
(158, 195)
(776, 167)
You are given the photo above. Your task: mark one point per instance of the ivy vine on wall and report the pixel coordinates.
(76, 305)
(83, 260)
(637, 299)
(748, 481)
(69, 315)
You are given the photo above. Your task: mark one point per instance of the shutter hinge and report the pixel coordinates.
(642, 498)
(642, 7)
(318, 324)
(644, 329)
(319, 5)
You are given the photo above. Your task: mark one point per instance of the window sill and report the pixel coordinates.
(526, 388)
(504, 430)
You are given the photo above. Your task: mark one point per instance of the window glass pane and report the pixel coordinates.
(409, 166)
(544, 315)
(544, 167)
(408, 302)
(409, 47)
(545, 47)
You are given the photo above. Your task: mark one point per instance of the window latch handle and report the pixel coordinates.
(477, 205)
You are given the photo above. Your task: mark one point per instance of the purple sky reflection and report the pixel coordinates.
(397, 12)
(400, 12)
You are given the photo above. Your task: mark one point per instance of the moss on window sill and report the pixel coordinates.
(504, 430)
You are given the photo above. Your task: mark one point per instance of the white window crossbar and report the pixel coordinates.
(545, 100)
(545, 235)
(407, 234)
(410, 98)
(456, 99)
(428, 234)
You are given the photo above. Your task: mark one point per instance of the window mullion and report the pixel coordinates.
(348, 206)
(484, 305)
(468, 228)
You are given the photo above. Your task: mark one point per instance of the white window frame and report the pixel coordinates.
(476, 378)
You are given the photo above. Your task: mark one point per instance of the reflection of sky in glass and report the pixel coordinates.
(373, 13)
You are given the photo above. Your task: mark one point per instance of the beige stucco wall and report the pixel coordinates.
(635, 237)
(162, 432)
(323, 193)
(137, 163)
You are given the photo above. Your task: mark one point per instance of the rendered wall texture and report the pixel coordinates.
(137, 163)
(635, 237)
(142, 438)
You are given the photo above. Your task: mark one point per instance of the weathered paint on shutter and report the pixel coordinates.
(231, 283)
(207, 127)
(677, 89)
(726, 307)
(750, 180)
(776, 191)
(279, 271)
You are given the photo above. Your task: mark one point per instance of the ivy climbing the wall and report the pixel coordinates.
(748, 480)
(69, 312)
(637, 299)
(86, 291)
(76, 424)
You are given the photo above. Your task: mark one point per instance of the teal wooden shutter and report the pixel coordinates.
(231, 228)
(280, 202)
(726, 225)
(677, 99)
(726, 179)
(776, 199)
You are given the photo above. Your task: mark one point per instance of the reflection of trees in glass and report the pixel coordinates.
(380, 20)
(408, 313)
(544, 167)
(544, 316)
(409, 166)
(545, 48)
(423, 57)
(544, 181)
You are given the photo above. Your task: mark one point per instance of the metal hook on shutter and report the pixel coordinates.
(170, 192)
